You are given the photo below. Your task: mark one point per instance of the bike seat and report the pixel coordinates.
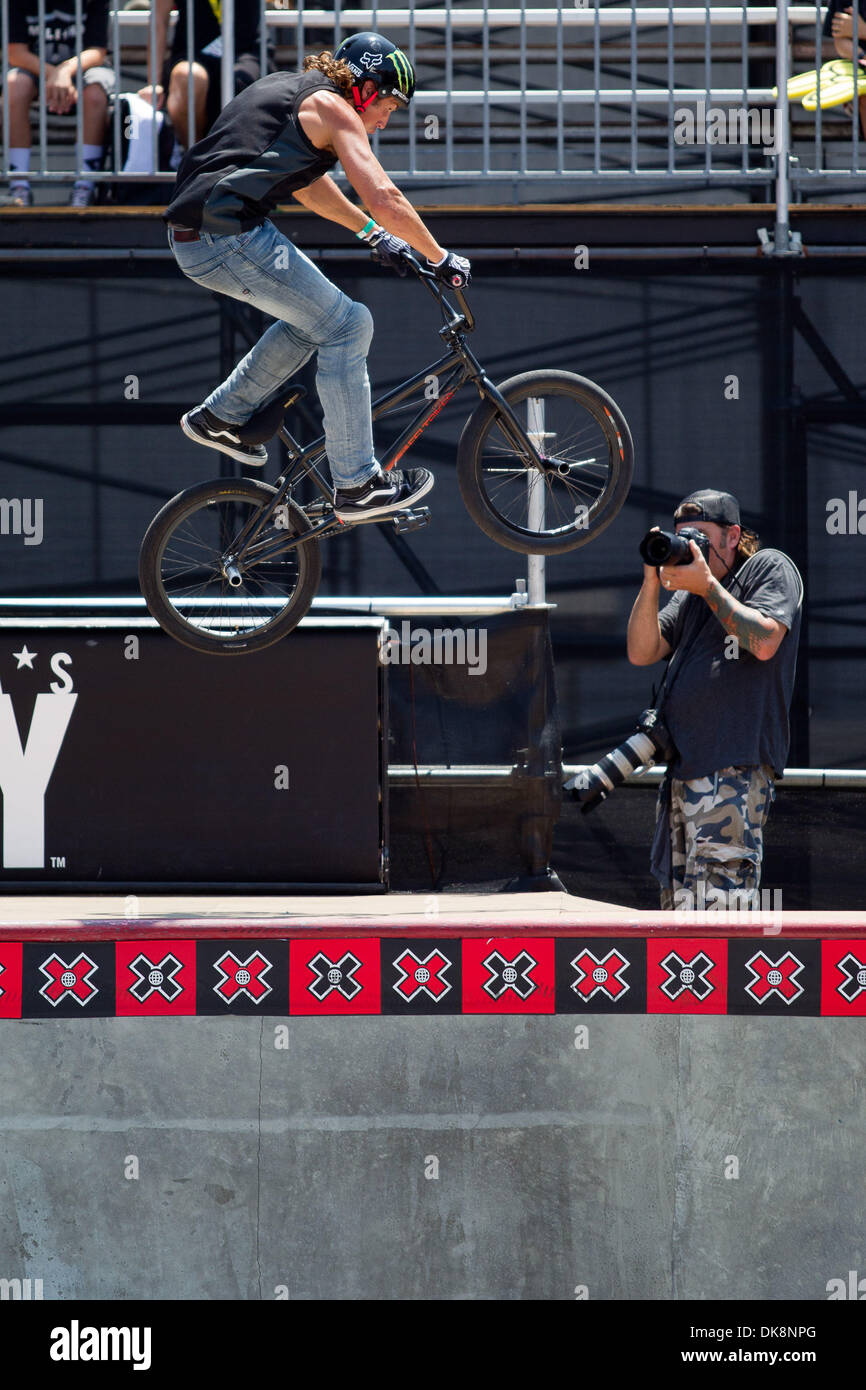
(264, 424)
(293, 392)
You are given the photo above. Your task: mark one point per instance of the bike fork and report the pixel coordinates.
(511, 425)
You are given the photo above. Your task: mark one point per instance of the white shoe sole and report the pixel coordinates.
(192, 433)
(363, 514)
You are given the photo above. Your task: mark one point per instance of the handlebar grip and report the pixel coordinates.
(436, 286)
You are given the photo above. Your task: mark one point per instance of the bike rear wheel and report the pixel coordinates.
(588, 456)
(186, 567)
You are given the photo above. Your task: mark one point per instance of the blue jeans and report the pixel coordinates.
(264, 268)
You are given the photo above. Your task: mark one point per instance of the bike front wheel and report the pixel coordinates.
(205, 598)
(587, 455)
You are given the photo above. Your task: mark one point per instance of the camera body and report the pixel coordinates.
(667, 548)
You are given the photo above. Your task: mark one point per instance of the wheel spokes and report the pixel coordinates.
(193, 571)
(577, 457)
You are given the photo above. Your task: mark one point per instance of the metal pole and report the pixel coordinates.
(449, 87)
(228, 56)
(42, 108)
(4, 77)
(79, 90)
(485, 82)
(783, 66)
(155, 76)
(535, 490)
(191, 132)
(117, 161)
(855, 105)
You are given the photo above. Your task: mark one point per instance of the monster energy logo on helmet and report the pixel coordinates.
(373, 58)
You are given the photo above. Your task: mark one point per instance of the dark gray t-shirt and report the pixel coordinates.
(726, 711)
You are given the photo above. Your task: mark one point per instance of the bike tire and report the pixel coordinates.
(610, 433)
(166, 524)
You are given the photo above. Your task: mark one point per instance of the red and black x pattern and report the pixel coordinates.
(852, 970)
(243, 977)
(774, 976)
(69, 979)
(600, 974)
(422, 974)
(687, 972)
(474, 975)
(155, 976)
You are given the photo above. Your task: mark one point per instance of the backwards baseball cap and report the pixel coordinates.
(720, 507)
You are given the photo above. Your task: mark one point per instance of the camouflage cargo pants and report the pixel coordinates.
(717, 840)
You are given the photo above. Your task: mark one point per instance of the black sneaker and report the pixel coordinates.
(206, 428)
(383, 493)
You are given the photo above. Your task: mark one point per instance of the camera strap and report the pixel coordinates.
(661, 691)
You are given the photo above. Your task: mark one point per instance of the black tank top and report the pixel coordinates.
(253, 158)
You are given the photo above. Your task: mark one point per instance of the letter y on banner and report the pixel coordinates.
(25, 771)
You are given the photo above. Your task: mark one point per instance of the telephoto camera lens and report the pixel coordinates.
(667, 548)
(596, 783)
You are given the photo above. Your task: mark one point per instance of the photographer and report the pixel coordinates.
(731, 630)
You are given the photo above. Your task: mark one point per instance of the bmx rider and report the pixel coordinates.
(281, 136)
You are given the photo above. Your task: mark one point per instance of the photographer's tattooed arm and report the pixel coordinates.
(754, 631)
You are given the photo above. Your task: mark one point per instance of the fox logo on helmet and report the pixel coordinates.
(376, 58)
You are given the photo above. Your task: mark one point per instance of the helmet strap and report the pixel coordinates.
(362, 105)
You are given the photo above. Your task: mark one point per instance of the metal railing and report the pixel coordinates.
(530, 94)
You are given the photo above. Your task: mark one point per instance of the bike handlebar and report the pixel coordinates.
(437, 289)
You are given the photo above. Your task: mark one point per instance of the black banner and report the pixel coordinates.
(126, 758)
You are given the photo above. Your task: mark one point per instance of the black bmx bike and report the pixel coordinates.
(544, 464)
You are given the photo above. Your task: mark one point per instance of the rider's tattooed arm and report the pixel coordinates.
(754, 631)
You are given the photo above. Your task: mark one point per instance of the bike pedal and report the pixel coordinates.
(411, 520)
(317, 511)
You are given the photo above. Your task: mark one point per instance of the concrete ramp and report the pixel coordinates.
(528, 1144)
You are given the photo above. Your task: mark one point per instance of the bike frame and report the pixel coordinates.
(458, 366)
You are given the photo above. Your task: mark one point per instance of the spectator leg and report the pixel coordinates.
(95, 114)
(176, 102)
(22, 90)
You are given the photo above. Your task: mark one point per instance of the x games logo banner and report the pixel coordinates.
(339, 976)
(689, 977)
(242, 977)
(604, 975)
(843, 977)
(331, 975)
(421, 977)
(67, 978)
(773, 977)
(473, 975)
(156, 977)
(509, 972)
(511, 975)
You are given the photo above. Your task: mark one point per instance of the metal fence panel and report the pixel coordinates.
(591, 93)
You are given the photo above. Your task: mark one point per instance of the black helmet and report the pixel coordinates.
(373, 58)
